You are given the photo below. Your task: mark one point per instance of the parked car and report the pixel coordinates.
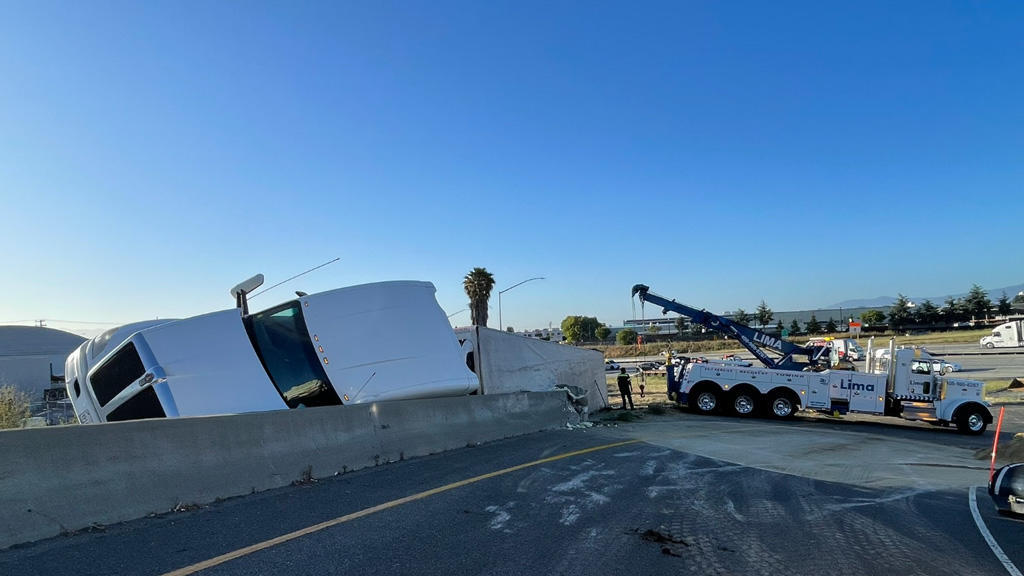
(1007, 489)
(733, 360)
(927, 362)
(944, 366)
(611, 366)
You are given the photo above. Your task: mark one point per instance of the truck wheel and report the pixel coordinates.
(705, 401)
(971, 421)
(989, 345)
(744, 403)
(781, 406)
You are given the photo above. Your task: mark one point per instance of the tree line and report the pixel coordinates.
(975, 305)
(479, 283)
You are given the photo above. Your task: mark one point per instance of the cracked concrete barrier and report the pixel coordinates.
(61, 479)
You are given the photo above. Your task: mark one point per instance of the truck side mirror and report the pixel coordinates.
(243, 288)
(247, 286)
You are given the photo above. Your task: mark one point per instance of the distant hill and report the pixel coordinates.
(880, 301)
(876, 302)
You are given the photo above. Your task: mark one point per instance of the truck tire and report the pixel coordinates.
(705, 401)
(989, 345)
(744, 402)
(781, 406)
(971, 420)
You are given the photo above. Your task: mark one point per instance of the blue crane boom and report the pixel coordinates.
(753, 340)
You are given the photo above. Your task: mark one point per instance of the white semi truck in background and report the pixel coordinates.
(381, 341)
(1009, 335)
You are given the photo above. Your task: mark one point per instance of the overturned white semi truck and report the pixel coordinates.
(380, 341)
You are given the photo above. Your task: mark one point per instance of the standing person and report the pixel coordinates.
(625, 388)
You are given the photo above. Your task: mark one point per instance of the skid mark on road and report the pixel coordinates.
(648, 468)
(241, 552)
(580, 480)
(856, 502)
(584, 491)
(570, 514)
(501, 517)
(758, 522)
(731, 507)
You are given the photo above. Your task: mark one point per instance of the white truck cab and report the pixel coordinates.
(847, 348)
(1007, 335)
(381, 341)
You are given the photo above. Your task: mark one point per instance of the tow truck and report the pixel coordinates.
(904, 387)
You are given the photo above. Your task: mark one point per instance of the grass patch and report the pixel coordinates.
(996, 386)
(955, 337)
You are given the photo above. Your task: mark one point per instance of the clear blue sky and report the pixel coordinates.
(153, 154)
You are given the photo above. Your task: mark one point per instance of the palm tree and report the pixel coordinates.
(478, 284)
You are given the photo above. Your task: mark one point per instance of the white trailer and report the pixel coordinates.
(907, 388)
(382, 341)
(1008, 335)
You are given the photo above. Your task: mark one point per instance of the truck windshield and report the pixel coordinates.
(282, 343)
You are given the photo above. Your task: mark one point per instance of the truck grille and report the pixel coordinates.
(143, 405)
(116, 374)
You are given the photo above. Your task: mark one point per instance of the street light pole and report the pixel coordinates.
(501, 326)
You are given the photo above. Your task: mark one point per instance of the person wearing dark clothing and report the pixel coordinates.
(625, 388)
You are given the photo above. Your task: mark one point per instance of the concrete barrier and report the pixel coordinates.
(61, 479)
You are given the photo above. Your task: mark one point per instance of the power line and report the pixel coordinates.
(294, 277)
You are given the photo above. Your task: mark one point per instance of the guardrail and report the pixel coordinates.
(65, 478)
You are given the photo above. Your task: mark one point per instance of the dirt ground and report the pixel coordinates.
(654, 391)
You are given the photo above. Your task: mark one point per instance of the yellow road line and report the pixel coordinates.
(374, 509)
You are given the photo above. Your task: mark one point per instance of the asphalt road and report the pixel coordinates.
(983, 364)
(693, 494)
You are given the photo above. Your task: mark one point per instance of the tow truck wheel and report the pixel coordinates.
(781, 406)
(705, 401)
(744, 403)
(971, 421)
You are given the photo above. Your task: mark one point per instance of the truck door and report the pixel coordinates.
(865, 391)
(817, 390)
(838, 389)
